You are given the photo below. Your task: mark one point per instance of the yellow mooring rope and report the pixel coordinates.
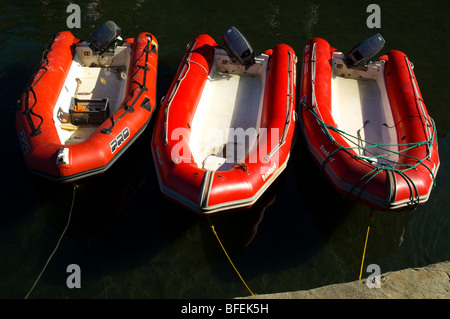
(229, 259)
(365, 244)
(57, 245)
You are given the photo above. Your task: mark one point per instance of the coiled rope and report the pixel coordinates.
(57, 245)
(229, 259)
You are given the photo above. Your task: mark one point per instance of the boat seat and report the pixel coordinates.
(213, 162)
(224, 160)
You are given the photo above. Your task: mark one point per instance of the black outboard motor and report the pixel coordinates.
(365, 50)
(239, 47)
(105, 37)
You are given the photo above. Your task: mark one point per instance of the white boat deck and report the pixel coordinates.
(227, 118)
(91, 77)
(361, 108)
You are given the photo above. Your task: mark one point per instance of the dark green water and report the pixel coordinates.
(130, 242)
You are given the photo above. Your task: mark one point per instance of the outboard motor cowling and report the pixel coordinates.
(105, 37)
(239, 47)
(365, 50)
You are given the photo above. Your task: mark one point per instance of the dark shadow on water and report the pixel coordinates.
(17, 194)
(267, 241)
(343, 223)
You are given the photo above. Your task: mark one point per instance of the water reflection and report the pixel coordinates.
(94, 10)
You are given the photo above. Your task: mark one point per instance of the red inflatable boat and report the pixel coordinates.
(367, 126)
(87, 102)
(224, 130)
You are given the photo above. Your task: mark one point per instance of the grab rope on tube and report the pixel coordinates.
(388, 165)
